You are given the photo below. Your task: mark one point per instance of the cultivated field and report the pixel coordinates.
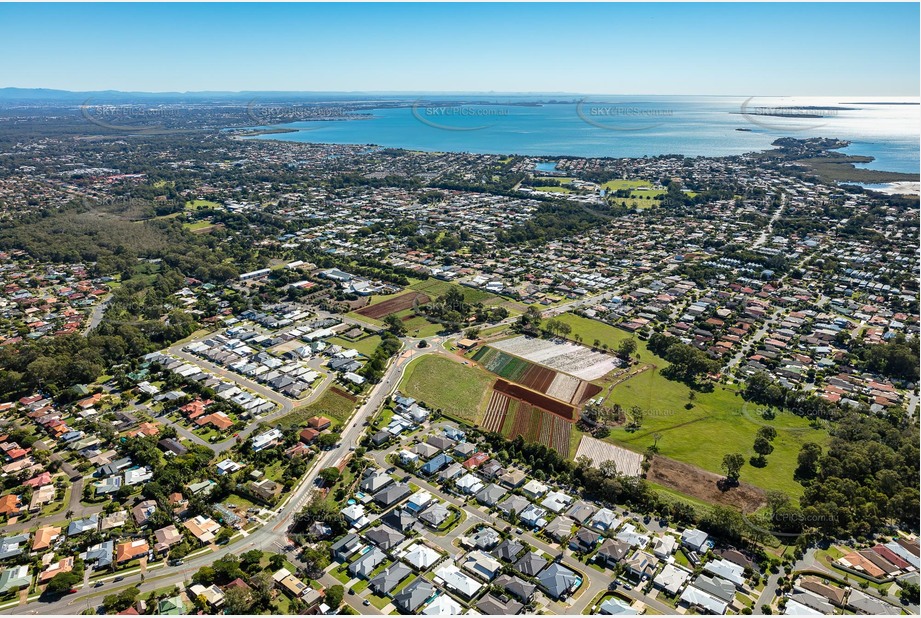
(628, 462)
(536, 377)
(561, 355)
(537, 425)
(521, 393)
(393, 305)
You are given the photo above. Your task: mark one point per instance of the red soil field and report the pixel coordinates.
(550, 404)
(393, 305)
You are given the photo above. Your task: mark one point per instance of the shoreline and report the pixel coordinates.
(841, 169)
(904, 187)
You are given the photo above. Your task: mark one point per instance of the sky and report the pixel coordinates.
(705, 49)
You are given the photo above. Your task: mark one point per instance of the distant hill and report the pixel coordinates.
(49, 95)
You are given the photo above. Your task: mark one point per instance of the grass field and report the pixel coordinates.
(332, 404)
(197, 226)
(617, 185)
(365, 345)
(716, 424)
(554, 189)
(197, 204)
(590, 330)
(436, 287)
(443, 383)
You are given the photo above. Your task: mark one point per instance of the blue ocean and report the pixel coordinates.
(596, 126)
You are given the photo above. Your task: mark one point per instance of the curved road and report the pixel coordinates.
(269, 537)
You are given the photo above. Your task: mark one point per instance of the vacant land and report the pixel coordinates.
(334, 404)
(455, 388)
(394, 304)
(436, 287)
(199, 204)
(704, 485)
(717, 423)
(365, 345)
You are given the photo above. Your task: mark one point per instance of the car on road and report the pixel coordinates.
(118, 579)
(366, 602)
(519, 531)
(98, 584)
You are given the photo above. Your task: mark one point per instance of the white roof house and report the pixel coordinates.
(443, 605)
(421, 556)
(727, 570)
(453, 578)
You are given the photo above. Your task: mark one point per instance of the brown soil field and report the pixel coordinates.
(550, 404)
(704, 485)
(538, 378)
(393, 305)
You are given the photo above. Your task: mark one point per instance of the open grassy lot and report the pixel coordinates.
(197, 204)
(617, 185)
(333, 404)
(198, 226)
(436, 287)
(718, 423)
(554, 189)
(458, 389)
(593, 329)
(365, 345)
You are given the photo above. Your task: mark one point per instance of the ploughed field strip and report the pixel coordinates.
(628, 463)
(536, 377)
(513, 417)
(560, 355)
(393, 305)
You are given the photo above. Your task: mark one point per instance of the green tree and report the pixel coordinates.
(334, 595)
(62, 582)
(329, 475)
(732, 466)
(763, 447)
(626, 348)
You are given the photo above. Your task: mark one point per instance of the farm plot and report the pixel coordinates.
(525, 395)
(560, 355)
(536, 377)
(628, 463)
(536, 425)
(393, 305)
(498, 406)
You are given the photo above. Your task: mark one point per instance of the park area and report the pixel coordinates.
(443, 383)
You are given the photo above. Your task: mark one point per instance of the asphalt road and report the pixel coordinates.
(269, 537)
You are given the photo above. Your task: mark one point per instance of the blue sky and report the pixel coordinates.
(738, 49)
